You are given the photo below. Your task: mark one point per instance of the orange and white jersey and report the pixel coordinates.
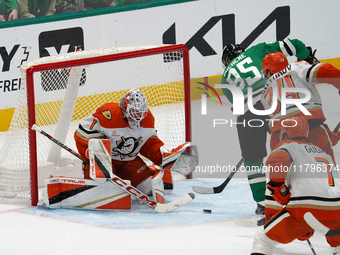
(302, 76)
(310, 175)
(107, 122)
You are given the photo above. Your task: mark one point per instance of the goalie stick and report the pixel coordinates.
(220, 188)
(161, 208)
(34, 127)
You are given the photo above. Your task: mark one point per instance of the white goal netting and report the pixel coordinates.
(57, 92)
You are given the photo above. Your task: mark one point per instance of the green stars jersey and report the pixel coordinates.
(245, 70)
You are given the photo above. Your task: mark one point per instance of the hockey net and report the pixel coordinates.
(58, 91)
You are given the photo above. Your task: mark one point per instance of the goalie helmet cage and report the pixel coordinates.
(58, 91)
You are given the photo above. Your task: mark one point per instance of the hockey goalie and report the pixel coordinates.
(112, 141)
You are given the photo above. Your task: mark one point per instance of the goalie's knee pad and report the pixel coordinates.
(167, 178)
(154, 186)
(100, 159)
(157, 186)
(145, 186)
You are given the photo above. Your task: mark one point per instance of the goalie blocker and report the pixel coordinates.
(101, 192)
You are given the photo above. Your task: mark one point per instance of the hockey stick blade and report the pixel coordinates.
(220, 188)
(164, 208)
(253, 221)
(203, 190)
(318, 226)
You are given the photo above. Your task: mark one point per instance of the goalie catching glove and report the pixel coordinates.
(279, 191)
(182, 159)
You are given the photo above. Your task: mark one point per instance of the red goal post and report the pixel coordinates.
(58, 91)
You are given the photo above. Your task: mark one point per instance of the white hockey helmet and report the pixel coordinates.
(134, 107)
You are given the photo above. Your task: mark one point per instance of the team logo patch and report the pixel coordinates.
(126, 147)
(107, 114)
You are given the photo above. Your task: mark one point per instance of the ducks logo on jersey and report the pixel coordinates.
(126, 147)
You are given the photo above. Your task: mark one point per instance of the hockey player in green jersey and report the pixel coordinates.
(243, 69)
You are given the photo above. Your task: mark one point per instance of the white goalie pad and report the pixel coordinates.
(100, 159)
(77, 193)
(157, 187)
(98, 193)
(184, 161)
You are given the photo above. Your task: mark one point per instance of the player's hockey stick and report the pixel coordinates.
(161, 208)
(313, 222)
(311, 247)
(318, 226)
(220, 188)
(336, 129)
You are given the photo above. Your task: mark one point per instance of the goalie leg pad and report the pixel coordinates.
(154, 186)
(158, 187)
(100, 159)
(77, 193)
(167, 178)
(145, 186)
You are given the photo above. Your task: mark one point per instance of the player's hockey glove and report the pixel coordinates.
(279, 191)
(311, 59)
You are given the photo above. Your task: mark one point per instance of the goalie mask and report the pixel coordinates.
(134, 107)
